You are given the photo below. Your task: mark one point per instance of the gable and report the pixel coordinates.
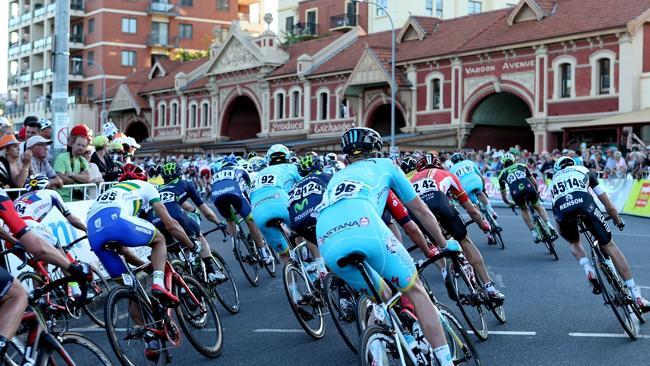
(368, 71)
(412, 30)
(233, 56)
(157, 71)
(123, 100)
(526, 10)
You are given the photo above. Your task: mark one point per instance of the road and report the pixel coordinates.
(552, 317)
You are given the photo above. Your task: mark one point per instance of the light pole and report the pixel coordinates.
(392, 70)
(103, 114)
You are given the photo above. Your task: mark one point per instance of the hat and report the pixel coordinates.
(7, 140)
(22, 133)
(100, 141)
(37, 140)
(116, 146)
(4, 122)
(81, 130)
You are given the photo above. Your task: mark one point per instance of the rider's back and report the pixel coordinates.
(276, 177)
(129, 196)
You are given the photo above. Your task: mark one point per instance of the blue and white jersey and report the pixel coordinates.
(468, 174)
(230, 176)
(275, 177)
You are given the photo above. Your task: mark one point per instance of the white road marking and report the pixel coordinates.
(606, 335)
(645, 287)
(279, 331)
(508, 332)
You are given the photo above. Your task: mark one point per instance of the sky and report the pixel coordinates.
(4, 42)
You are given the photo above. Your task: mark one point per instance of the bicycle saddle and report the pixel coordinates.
(113, 246)
(274, 222)
(351, 259)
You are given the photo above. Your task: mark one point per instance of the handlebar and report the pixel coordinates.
(69, 246)
(19, 251)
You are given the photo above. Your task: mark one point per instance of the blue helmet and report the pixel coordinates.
(456, 158)
(229, 160)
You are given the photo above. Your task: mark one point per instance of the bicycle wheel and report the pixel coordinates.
(55, 318)
(14, 352)
(616, 297)
(339, 297)
(545, 234)
(497, 237)
(460, 344)
(226, 289)
(83, 350)
(126, 317)
(364, 309)
(271, 267)
(246, 259)
(377, 347)
(305, 302)
(468, 301)
(98, 291)
(199, 320)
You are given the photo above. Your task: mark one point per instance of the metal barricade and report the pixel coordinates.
(90, 190)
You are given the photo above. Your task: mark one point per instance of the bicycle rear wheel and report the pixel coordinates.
(99, 289)
(304, 301)
(199, 320)
(83, 350)
(545, 234)
(246, 259)
(226, 289)
(468, 301)
(271, 267)
(616, 297)
(56, 318)
(460, 344)
(339, 297)
(378, 347)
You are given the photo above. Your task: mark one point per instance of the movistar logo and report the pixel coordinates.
(300, 206)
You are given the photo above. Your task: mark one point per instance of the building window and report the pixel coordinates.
(91, 90)
(343, 110)
(295, 104)
(185, 31)
(279, 105)
(91, 25)
(205, 114)
(604, 77)
(473, 7)
(288, 25)
(323, 106)
(129, 25)
(311, 23)
(128, 58)
(439, 8)
(378, 11)
(193, 115)
(436, 94)
(565, 80)
(428, 5)
(223, 4)
(173, 116)
(186, 2)
(162, 115)
(90, 57)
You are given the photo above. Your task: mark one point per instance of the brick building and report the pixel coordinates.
(541, 74)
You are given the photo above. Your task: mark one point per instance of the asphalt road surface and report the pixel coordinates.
(552, 317)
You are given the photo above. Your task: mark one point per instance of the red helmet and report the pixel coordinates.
(429, 161)
(132, 172)
(82, 130)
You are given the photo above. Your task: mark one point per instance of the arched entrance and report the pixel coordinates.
(379, 120)
(138, 130)
(499, 120)
(241, 119)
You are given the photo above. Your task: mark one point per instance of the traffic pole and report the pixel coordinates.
(60, 118)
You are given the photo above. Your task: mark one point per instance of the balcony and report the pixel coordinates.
(40, 12)
(76, 41)
(14, 50)
(26, 47)
(13, 81)
(304, 29)
(77, 9)
(344, 22)
(43, 43)
(162, 40)
(14, 22)
(76, 72)
(25, 78)
(165, 9)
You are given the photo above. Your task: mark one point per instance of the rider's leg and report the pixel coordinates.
(475, 259)
(526, 216)
(623, 269)
(255, 232)
(484, 199)
(12, 306)
(158, 258)
(395, 230)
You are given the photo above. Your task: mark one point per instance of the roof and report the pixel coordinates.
(171, 69)
(305, 47)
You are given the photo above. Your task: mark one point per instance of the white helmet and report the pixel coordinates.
(277, 154)
(109, 129)
(448, 164)
(36, 182)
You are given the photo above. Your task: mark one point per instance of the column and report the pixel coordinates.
(306, 101)
(541, 81)
(183, 110)
(411, 74)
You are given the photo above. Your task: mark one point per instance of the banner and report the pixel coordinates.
(638, 199)
(494, 193)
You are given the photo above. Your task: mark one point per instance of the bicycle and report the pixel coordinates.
(224, 290)
(306, 302)
(543, 231)
(614, 291)
(248, 256)
(341, 300)
(147, 320)
(495, 229)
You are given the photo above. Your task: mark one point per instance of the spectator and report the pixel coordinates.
(46, 128)
(103, 160)
(621, 165)
(39, 147)
(93, 169)
(599, 162)
(18, 168)
(72, 167)
(547, 166)
(610, 162)
(5, 126)
(32, 128)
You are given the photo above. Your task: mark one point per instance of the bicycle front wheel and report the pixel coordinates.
(83, 350)
(616, 297)
(339, 297)
(378, 347)
(98, 289)
(468, 301)
(226, 289)
(305, 303)
(246, 259)
(275, 259)
(460, 344)
(199, 318)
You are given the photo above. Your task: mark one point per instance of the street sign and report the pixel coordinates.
(60, 136)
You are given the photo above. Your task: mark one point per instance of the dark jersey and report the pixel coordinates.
(304, 196)
(515, 178)
(230, 177)
(178, 191)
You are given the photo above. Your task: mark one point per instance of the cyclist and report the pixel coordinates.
(230, 187)
(114, 217)
(270, 198)
(349, 222)
(523, 188)
(408, 166)
(332, 164)
(174, 194)
(571, 200)
(433, 184)
(471, 179)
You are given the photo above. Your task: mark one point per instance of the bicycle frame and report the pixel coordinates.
(38, 339)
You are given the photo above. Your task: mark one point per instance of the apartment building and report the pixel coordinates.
(109, 39)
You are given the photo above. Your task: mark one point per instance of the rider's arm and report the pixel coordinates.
(76, 222)
(502, 188)
(57, 202)
(172, 226)
(7, 237)
(209, 214)
(43, 251)
(604, 198)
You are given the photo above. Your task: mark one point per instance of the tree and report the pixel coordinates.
(189, 55)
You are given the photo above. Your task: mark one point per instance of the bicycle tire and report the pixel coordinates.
(346, 324)
(459, 341)
(226, 291)
(543, 232)
(112, 315)
(14, 352)
(302, 312)
(271, 268)
(614, 298)
(69, 338)
(246, 259)
(363, 311)
(31, 280)
(468, 301)
(375, 333)
(100, 289)
(499, 239)
(186, 316)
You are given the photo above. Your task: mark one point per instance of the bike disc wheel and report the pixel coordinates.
(468, 301)
(460, 344)
(337, 290)
(226, 290)
(615, 297)
(199, 320)
(99, 289)
(305, 302)
(377, 347)
(83, 350)
(246, 259)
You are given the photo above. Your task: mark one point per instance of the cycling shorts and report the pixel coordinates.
(365, 233)
(268, 205)
(109, 224)
(526, 194)
(304, 224)
(567, 209)
(448, 217)
(191, 227)
(230, 201)
(43, 231)
(6, 280)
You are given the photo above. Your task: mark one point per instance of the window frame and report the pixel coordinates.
(430, 92)
(162, 114)
(193, 110)
(223, 5)
(439, 9)
(130, 21)
(596, 72)
(323, 112)
(557, 78)
(204, 111)
(379, 12)
(182, 26)
(279, 110)
(295, 103)
(174, 113)
(471, 7)
(91, 25)
(90, 90)
(129, 52)
(183, 3)
(428, 7)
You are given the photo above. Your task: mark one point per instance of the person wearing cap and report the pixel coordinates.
(93, 169)
(32, 128)
(46, 128)
(18, 167)
(5, 126)
(39, 147)
(117, 153)
(103, 160)
(71, 166)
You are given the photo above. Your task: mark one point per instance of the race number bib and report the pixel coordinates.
(515, 176)
(20, 208)
(107, 197)
(167, 197)
(300, 193)
(569, 185)
(346, 189)
(224, 174)
(465, 169)
(424, 186)
(266, 180)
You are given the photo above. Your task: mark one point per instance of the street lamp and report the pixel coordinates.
(103, 114)
(392, 70)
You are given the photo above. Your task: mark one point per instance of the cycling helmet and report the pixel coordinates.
(448, 164)
(109, 129)
(330, 158)
(562, 163)
(294, 160)
(277, 154)
(251, 154)
(359, 140)
(154, 170)
(408, 164)
(309, 164)
(132, 172)
(229, 160)
(429, 161)
(507, 159)
(45, 123)
(36, 182)
(170, 171)
(456, 158)
(4, 122)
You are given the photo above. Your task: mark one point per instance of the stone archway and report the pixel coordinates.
(499, 120)
(241, 119)
(379, 119)
(138, 130)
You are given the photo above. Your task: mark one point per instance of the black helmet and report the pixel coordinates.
(408, 164)
(358, 140)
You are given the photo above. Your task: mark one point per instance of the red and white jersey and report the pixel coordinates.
(429, 181)
(35, 205)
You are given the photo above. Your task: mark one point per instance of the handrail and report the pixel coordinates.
(90, 190)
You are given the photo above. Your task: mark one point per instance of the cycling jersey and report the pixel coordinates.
(230, 189)
(173, 195)
(36, 204)
(304, 197)
(470, 178)
(517, 179)
(8, 214)
(349, 222)
(395, 209)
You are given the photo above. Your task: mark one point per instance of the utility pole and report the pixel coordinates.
(61, 69)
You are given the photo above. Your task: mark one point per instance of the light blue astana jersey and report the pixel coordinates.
(468, 174)
(281, 176)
